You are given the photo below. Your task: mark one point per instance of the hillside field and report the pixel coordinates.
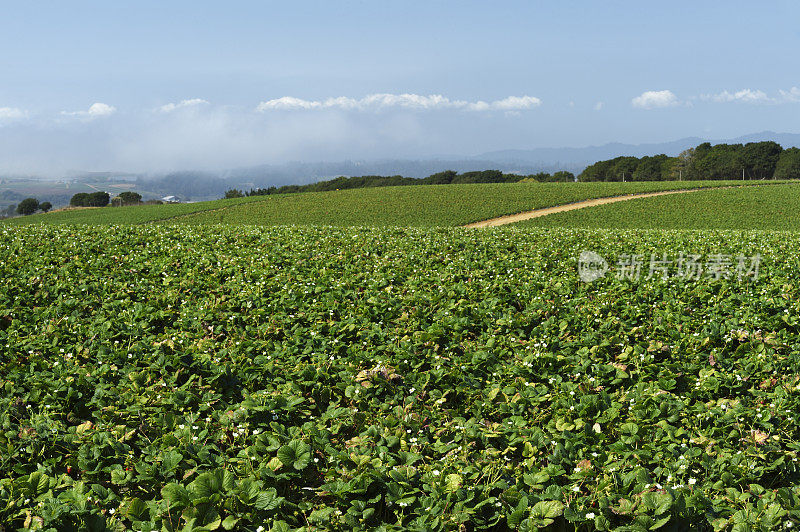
(213, 378)
(407, 206)
(136, 214)
(253, 365)
(765, 208)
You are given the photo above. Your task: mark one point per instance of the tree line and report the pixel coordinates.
(101, 199)
(447, 177)
(755, 160)
(28, 206)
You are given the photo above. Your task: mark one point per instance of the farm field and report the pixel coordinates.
(136, 214)
(420, 205)
(257, 378)
(753, 208)
(59, 192)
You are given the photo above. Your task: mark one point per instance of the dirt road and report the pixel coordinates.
(512, 218)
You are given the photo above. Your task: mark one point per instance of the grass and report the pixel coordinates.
(774, 208)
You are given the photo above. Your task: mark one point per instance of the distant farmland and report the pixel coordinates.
(413, 206)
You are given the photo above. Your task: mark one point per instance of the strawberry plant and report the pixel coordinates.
(313, 378)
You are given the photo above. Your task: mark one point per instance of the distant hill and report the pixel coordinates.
(206, 185)
(407, 168)
(590, 154)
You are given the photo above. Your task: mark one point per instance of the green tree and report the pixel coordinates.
(721, 161)
(788, 166)
(45, 206)
(234, 193)
(564, 176)
(98, 199)
(760, 159)
(28, 206)
(441, 178)
(81, 199)
(623, 168)
(130, 198)
(680, 167)
(599, 171)
(482, 176)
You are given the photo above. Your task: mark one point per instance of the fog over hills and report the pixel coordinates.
(520, 161)
(198, 184)
(582, 157)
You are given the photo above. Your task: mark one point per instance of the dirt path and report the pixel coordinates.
(512, 218)
(189, 214)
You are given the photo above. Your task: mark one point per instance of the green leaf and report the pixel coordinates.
(170, 460)
(206, 485)
(661, 522)
(296, 454)
(657, 502)
(625, 507)
(516, 517)
(547, 509)
(176, 495)
(136, 509)
(39, 483)
(118, 476)
(268, 500)
(601, 522)
(248, 491)
(321, 515)
(228, 480)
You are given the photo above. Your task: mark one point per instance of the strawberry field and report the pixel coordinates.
(241, 378)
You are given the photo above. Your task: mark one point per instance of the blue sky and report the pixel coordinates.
(152, 86)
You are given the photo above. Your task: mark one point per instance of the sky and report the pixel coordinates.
(159, 86)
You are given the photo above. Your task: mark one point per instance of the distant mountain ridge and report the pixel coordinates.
(590, 154)
(199, 185)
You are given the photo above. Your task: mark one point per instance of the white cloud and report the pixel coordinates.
(598, 106)
(516, 103)
(287, 103)
(655, 99)
(790, 96)
(11, 113)
(754, 96)
(405, 101)
(101, 109)
(744, 95)
(96, 110)
(410, 101)
(194, 102)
